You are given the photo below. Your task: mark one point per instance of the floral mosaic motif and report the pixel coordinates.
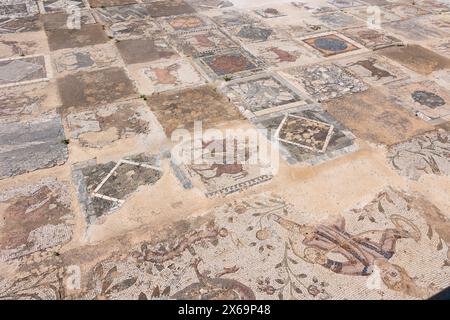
(423, 155)
(330, 45)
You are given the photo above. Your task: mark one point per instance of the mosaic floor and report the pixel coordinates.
(351, 99)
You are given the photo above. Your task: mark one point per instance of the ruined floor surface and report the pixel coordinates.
(93, 205)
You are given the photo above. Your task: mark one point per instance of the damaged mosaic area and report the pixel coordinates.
(224, 149)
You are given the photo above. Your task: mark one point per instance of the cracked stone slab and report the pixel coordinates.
(214, 176)
(90, 34)
(426, 154)
(23, 70)
(179, 110)
(45, 222)
(104, 187)
(262, 94)
(417, 58)
(145, 50)
(164, 75)
(307, 134)
(372, 116)
(32, 145)
(326, 81)
(107, 124)
(229, 63)
(373, 69)
(110, 85)
(87, 58)
(425, 99)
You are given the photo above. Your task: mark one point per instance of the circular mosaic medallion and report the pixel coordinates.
(428, 99)
(330, 44)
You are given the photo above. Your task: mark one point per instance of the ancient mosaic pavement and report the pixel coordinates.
(224, 149)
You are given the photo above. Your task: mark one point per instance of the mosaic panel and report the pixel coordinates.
(330, 44)
(251, 33)
(63, 20)
(23, 70)
(414, 30)
(339, 20)
(307, 134)
(168, 8)
(18, 8)
(109, 3)
(169, 74)
(203, 5)
(107, 124)
(36, 217)
(104, 187)
(144, 50)
(186, 23)
(405, 11)
(32, 145)
(426, 99)
(134, 29)
(18, 25)
(50, 6)
(229, 63)
(90, 34)
(125, 13)
(365, 14)
(233, 18)
(262, 94)
(372, 39)
(342, 4)
(269, 13)
(22, 44)
(324, 82)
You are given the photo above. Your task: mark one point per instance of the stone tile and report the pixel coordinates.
(144, 50)
(49, 6)
(373, 117)
(331, 44)
(110, 85)
(36, 217)
(204, 5)
(406, 11)
(32, 145)
(415, 30)
(23, 70)
(63, 20)
(340, 20)
(164, 75)
(104, 187)
(251, 33)
(417, 58)
(168, 8)
(181, 109)
(425, 99)
(109, 15)
(229, 63)
(343, 4)
(107, 124)
(134, 29)
(307, 134)
(85, 59)
(186, 23)
(233, 18)
(373, 69)
(262, 94)
(88, 35)
(325, 82)
(18, 8)
(425, 154)
(372, 39)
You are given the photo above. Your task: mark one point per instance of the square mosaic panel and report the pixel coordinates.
(145, 50)
(90, 34)
(107, 124)
(18, 25)
(366, 14)
(18, 8)
(229, 63)
(339, 20)
(324, 82)
(49, 6)
(109, 3)
(164, 75)
(426, 99)
(262, 94)
(36, 217)
(233, 18)
(168, 8)
(31, 145)
(416, 30)
(282, 53)
(212, 174)
(109, 15)
(23, 70)
(202, 43)
(331, 44)
(372, 39)
(373, 69)
(250, 33)
(63, 20)
(307, 134)
(204, 5)
(134, 29)
(406, 11)
(104, 187)
(87, 58)
(186, 23)
(343, 4)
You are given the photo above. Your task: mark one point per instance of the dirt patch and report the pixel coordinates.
(73, 38)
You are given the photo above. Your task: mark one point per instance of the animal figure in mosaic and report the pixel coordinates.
(359, 250)
(215, 288)
(376, 72)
